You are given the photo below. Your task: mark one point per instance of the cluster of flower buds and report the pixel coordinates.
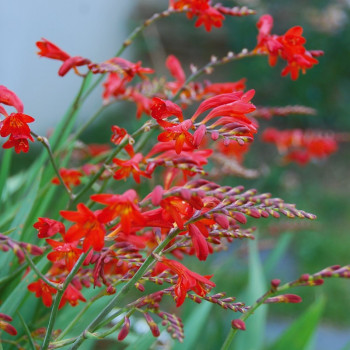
(19, 248)
(5, 325)
(289, 47)
(301, 146)
(14, 125)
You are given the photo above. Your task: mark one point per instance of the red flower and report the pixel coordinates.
(289, 47)
(178, 133)
(71, 295)
(71, 177)
(47, 227)
(9, 98)
(114, 86)
(122, 205)
(301, 146)
(16, 124)
(64, 251)
(128, 167)
(207, 15)
(50, 50)
(20, 144)
(87, 225)
(187, 280)
(175, 68)
(42, 290)
(162, 109)
(176, 209)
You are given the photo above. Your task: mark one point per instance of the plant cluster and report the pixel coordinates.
(99, 239)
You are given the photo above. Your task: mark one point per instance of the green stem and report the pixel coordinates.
(46, 144)
(58, 298)
(38, 272)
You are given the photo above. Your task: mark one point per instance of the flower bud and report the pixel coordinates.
(238, 324)
(199, 135)
(125, 329)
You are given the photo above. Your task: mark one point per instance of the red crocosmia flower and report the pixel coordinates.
(5, 326)
(210, 17)
(20, 144)
(9, 98)
(87, 225)
(71, 295)
(235, 102)
(71, 177)
(128, 167)
(113, 87)
(120, 205)
(175, 69)
(47, 227)
(16, 125)
(142, 102)
(72, 63)
(117, 137)
(187, 280)
(162, 109)
(177, 209)
(50, 50)
(223, 88)
(289, 47)
(179, 133)
(301, 146)
(207, 15)
(64, 251)
(42, 290)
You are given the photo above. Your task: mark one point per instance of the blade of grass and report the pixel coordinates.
(253, 337)
(27, 331)
(300, 333)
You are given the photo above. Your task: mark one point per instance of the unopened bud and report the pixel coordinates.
(238, 324)
(275, 283)
(199, 135)
(125, 329)
(156, 195)
(152, 325)
(286, 298)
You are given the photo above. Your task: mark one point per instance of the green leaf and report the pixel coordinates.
(277, 253)
(194, 325)
(5, 168)
(253, 337)
(27, 331)
(300, 333)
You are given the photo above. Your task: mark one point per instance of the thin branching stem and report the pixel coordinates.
(58, 299)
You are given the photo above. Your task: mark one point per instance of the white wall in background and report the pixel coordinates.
(90, 28)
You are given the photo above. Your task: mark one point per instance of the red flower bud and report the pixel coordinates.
(199, 135)
(238, 324)
(125, 329)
